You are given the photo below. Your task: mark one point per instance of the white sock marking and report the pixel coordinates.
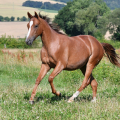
(76, 94)
(93, 100)
(31, 23)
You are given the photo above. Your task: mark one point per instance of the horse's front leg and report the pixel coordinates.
(44, 69)
(59, 67)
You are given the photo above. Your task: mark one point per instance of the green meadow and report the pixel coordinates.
(18, 72)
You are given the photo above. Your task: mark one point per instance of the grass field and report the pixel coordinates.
(18, 72)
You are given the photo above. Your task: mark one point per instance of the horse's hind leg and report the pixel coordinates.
(92, 82)
(87, 80)
(94, 88)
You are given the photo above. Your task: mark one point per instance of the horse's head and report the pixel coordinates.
(34, 29)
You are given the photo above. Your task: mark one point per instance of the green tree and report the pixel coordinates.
(102, 26)
(7, 19)
(23, 18)
(18, 18)
(81, 16)
(1, 18)
(86, 19)
(65, 19)
(12, 18)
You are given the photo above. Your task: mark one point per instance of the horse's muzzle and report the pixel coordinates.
(29, 41)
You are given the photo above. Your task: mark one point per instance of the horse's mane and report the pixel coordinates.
(54, 26)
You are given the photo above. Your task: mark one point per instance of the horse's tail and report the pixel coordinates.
(111, 54)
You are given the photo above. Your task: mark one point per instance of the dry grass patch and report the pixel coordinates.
(21, 56)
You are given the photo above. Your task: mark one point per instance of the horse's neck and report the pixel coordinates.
(48, 36)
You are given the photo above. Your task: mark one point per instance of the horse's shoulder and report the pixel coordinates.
(44, 55)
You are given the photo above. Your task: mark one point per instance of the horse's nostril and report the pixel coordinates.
(29, 41)
(26, 42)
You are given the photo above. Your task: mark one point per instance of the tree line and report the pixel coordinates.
(112, 4)
(41, 5)
(89, 17)
(7, 19)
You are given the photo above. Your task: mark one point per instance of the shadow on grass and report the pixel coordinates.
(26, 96)
(52, 99)
(48, 98)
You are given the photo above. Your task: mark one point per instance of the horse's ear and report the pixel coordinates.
(29, 15)
(36, 15)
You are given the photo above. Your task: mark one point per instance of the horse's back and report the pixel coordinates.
(81, 48)
(92, 44)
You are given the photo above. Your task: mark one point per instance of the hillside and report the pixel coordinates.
(14, 8)
(19, 2)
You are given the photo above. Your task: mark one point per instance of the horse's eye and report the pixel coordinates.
(36, 26)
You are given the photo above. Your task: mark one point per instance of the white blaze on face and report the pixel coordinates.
(31, 23)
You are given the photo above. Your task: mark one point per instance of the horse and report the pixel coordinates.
(62, 52)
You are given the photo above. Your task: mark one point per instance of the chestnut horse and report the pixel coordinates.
(62, 52)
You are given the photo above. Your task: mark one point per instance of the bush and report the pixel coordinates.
(98, 35)
(16, 43)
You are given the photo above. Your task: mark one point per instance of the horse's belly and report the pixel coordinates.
(76, 64)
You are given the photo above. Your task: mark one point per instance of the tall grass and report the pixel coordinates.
(17, 79)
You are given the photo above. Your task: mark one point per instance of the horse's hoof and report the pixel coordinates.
(93, 100)
(60, 95)
(31, 102)
(71, 99)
